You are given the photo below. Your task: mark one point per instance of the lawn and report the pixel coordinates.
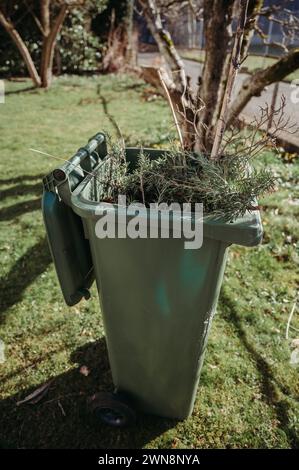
(248, 394)
(252, 63)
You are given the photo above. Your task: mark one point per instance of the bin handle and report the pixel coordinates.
(61, 182)
(82, 158)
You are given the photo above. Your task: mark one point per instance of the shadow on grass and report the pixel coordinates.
(109, 116)
(268, 379)
(26, 269)
(22, 190)
(21, 90)
(60, 419)
(36, 260)
(18, 209)
(125, 86)
(22, 178)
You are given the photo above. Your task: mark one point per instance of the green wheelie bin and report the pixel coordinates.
(157, 298)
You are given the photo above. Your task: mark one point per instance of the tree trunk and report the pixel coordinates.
(49, 41)
(220, 127)
(45, 16)
(164, 42)
(121, 51)
(131, 46)
(10, 29)
(254, 84)
(174, 78)
(217, 32)
(198, 115)
(254, 9)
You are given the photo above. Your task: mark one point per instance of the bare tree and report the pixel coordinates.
(49, 22)
(200, 112)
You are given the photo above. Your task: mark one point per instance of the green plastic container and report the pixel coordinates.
(157, 298)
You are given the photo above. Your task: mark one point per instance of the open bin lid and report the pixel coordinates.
(69, 247)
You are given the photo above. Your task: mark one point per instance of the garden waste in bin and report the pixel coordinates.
(157, 298)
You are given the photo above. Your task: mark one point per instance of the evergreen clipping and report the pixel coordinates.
(227, 188)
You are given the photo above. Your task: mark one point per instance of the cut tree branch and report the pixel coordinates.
(254, 84)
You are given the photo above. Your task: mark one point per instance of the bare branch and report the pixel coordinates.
(255, 84)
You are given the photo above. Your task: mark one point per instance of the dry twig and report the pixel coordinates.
(172, 108)
(290, 318)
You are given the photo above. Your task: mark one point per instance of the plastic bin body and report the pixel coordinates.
(158, 300)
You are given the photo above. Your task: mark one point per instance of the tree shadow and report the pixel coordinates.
(26, 269)
(60, 419)
(120, 87)
(21, 90)
(22, 190)
(22, 178)
(21, 208)
(109, 116)
(268, 379)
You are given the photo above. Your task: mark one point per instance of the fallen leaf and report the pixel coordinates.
(84, 371)
(37, 395)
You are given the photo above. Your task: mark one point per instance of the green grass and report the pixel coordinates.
(251, 65)
(248, 394)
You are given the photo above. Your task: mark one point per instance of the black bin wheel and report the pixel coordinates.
(110, 409)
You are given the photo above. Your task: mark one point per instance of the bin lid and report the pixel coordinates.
(69, 249)
(68, 244)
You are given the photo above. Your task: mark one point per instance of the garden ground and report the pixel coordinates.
(248, 393)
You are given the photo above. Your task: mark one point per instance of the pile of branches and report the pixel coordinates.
(226, 188)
